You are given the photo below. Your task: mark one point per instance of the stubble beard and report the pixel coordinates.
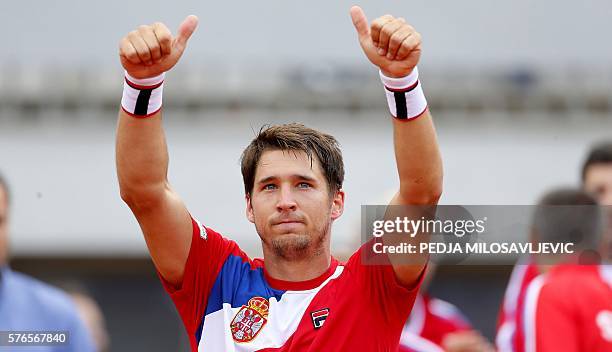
(294, 246)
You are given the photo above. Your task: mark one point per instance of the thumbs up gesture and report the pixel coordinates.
(389, 43)
(152, 50)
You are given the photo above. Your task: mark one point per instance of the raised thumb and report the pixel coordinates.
(360, 22)
(185, 30)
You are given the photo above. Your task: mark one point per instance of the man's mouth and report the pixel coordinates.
(288, 224)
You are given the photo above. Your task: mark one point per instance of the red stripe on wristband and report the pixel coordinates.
(410, 119)
(403, 90)
(139, 87)
(140, 116)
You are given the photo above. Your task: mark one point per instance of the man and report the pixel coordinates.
(298, 297)
(596, 178)
(597, 173)
(27, 304)
(569, 308)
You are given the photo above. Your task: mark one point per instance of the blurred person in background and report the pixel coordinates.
(91, 314)
(569, 307)
(437, 325)
(597, 173)
(27, 304)
(509, 337)
(597, 180)
(298, 298)
(596, 176)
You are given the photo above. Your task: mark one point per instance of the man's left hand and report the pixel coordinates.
(390, 43)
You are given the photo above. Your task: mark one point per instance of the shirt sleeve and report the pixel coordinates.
(379, 283)
(443, 318)
(207, 253)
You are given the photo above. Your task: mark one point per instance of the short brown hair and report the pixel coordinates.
(294, 137)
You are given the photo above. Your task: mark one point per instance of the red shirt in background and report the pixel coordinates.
(570, 310)
(430, 321)
(510, 335)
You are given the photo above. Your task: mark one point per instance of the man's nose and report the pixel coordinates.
(286, 201)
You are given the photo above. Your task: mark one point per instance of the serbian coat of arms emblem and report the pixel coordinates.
(250, 319)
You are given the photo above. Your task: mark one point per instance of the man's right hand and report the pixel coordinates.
(152, 50)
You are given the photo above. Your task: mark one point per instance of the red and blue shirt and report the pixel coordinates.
(228, 302)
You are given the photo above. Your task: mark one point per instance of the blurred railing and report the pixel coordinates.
(327, 86)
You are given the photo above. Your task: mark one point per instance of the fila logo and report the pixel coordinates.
(318, 317)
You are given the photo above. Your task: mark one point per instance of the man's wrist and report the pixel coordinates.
(404, 95)
(391, 75)
(400, 83)
(142, 97)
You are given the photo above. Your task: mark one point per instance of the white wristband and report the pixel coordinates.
(405, 95)
(142, 97)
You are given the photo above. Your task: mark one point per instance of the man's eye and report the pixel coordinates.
(269, 186)
(303, 185)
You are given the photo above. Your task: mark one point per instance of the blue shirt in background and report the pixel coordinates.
(27, 304)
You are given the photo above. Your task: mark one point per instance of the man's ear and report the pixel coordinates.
(337, 208)
(249, 209)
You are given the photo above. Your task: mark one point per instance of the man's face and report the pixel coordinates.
(290, 205)
(598, 182)
(3, 226)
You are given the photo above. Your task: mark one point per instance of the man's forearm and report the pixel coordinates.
(418, 159)
(142, 157)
